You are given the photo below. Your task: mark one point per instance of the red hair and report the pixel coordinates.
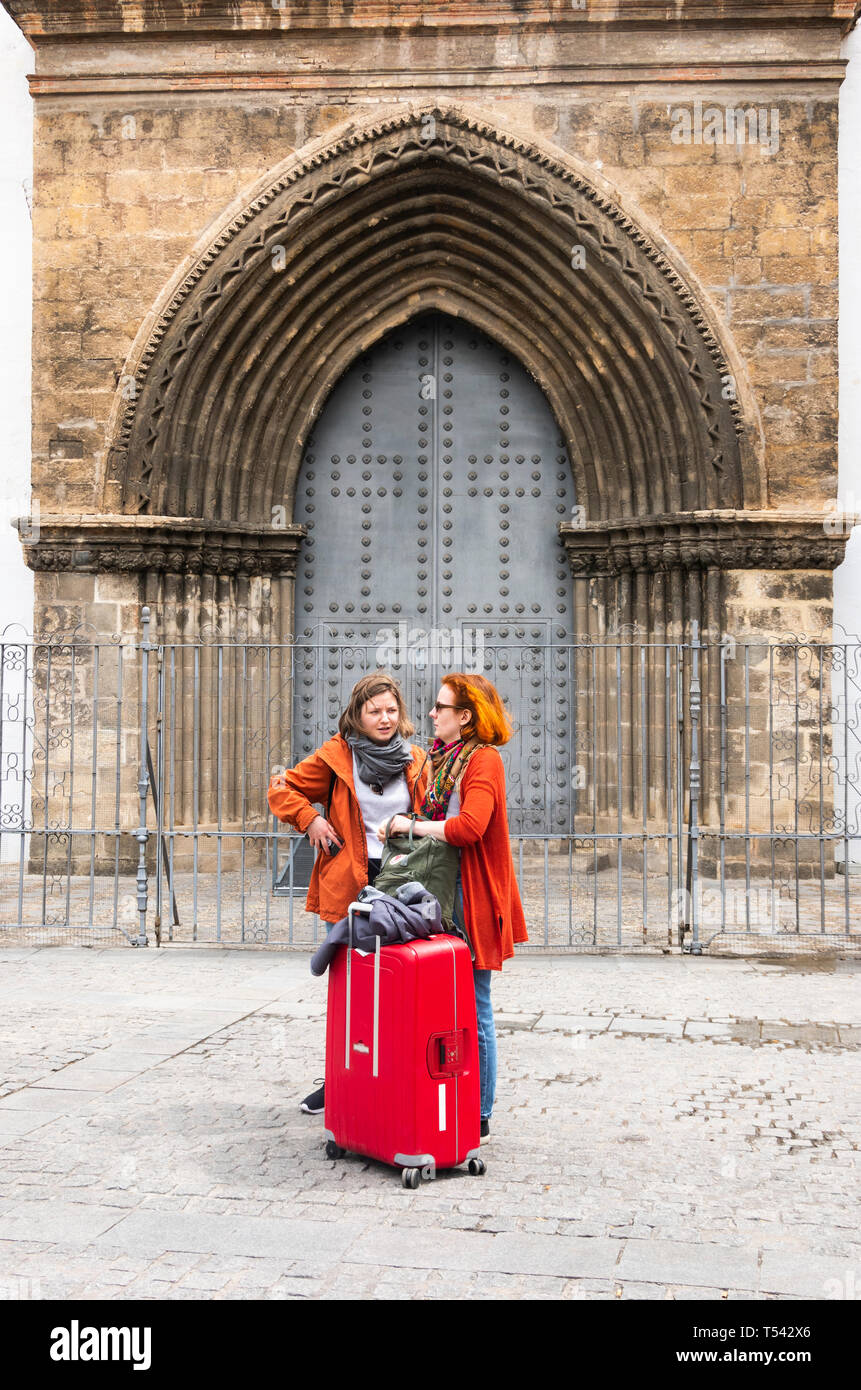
(490, 722)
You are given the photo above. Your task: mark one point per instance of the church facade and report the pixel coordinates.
(457, 322)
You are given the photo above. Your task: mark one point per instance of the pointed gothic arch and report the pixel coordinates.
(432, 210)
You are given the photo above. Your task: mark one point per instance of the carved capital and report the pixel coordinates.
(174, 545)
(727, 540)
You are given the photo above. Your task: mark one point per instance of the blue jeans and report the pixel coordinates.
(484, 1017)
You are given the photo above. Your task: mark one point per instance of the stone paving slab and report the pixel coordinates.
(15, 1122)
(687, 1262)
(51, 1220)
(40, 1098)
(572, 1023)
(809, 1276)
(694, 1160)
(647, 1025)
(252, 1236)
(84, 1078)
(508, 1253)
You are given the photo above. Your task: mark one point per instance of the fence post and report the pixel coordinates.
(695, 947)
(142, 834)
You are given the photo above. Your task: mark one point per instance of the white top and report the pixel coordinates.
(395, 801)
(453, 804)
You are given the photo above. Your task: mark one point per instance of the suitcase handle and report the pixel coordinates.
(362, 907)
(446, 1054)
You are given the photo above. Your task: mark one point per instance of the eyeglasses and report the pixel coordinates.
(435, 708)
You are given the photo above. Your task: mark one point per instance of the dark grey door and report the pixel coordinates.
(432, 489)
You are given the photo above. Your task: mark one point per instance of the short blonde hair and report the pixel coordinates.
(377, 683)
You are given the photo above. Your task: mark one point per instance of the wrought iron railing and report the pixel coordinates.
(689, 795)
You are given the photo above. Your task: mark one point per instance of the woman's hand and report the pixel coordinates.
(399, 825)
(321, 833)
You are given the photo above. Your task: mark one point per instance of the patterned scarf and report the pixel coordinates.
(447, 762)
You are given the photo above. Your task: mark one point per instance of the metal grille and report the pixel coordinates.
(711, 799)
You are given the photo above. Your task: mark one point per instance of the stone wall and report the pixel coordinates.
(133, 166)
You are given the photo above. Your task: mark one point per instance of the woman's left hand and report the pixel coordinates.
(399, 825)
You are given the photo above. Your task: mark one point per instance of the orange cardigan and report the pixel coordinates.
(491, 901)
(335, 879)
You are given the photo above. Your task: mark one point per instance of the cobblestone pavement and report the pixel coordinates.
(665, 1128)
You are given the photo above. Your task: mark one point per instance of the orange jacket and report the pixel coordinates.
(491, 900)
(335, 879)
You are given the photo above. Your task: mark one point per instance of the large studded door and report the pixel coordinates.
(432, 489)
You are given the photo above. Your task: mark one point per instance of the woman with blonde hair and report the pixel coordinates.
(465, 806)
(364, 775)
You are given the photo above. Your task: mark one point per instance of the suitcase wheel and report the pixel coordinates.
(411, 1177)
(477, 1166)
(334, 1150)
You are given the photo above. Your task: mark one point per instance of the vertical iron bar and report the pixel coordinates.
(267, 691)
(143, 781)
(546, 891)
(243, 791)
(219, 786)
(619, 780)
(694, 775)
(172, 816)
(70, 835)
(22, 854)
(594, 798)
(668, 777)
(47, 760)
(822, 790)
(747, 788)
(846, 864)
(723, 783)
(159, 786)
(117, 783)
(679, 752)
(644, 794)
(797, 795)
(195, 783)
(96, 654)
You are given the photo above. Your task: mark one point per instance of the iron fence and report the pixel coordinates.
(691, 795)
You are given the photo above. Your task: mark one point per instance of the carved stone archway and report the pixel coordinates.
(432, 209)
(441, 209)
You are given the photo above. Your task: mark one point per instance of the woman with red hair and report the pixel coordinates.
(465, 805)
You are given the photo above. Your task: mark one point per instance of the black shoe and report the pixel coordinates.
(485, 1128)
(314, 1104)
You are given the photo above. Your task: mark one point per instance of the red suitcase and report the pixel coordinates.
(402, 1082)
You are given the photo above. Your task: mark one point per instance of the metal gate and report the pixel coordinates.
(713, 800)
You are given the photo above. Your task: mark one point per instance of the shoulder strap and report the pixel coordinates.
(329, 799)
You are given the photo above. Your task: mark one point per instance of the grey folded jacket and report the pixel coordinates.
(411, 912)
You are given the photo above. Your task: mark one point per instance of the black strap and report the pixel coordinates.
(331, 790)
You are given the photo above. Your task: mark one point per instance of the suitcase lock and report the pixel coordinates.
(446, 1054)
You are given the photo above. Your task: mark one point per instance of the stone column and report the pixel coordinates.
(220, 595)
(738, 575)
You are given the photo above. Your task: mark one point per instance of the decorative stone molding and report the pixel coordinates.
(172, 16)
(172, 545)
(724, 540)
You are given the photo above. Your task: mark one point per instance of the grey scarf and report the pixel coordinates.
(380, 763)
